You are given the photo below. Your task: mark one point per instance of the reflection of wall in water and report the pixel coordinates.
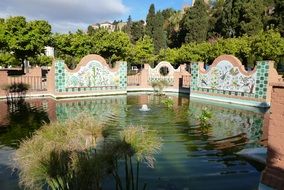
(228, 122)
(105, 109)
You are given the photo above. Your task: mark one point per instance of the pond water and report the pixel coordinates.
(191, 157)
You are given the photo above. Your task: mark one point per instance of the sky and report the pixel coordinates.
(70, 15)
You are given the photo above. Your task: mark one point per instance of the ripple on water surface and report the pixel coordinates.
(191, 157)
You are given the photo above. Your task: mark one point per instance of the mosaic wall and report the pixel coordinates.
(227, 79)
(92, 76)
(155, 75)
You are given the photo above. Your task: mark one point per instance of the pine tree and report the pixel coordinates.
(230, 18)
(137, 30)
(195, 23)
(90, 30)
(150, 21)
(279, 13)
(159, 36)
(242, 17)
(251, 17)
(127, 27)
(216, 9)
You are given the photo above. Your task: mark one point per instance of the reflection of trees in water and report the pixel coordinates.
(23, 120)
(231, 123)
(230, 131)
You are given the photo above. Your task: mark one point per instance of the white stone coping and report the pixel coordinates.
(230, 100)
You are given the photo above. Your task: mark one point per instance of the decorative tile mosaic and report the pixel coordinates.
(226, 79)
(154, 74)
(92, 76)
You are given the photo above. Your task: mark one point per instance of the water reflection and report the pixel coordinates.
(191, 156)
(21, 121)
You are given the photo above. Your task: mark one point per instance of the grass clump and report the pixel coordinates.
(205, 118)
(53, 152)
(79, 154)
(168, 102)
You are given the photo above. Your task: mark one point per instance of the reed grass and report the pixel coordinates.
(77, 154)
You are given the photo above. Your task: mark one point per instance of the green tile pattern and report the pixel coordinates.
(60, 74)
(258, 87)
(194, 76)
(123, 75)
(94, 76)
(262, 76)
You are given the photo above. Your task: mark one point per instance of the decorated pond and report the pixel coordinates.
(192, 156)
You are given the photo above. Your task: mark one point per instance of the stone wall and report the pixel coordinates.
(273, 175)
(163, 71)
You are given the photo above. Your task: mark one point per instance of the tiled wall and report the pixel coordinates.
(228, 78)
(154, 74)
(92, 76)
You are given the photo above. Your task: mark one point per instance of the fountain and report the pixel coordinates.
(144, 108)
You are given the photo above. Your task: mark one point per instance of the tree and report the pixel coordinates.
(7, 59)
(267, 46)
(216, 9)
(137, 30)
(167, 13)
(127, 27)
(251, 17)
(195, 23)
(142, 52)
(241, 17)
(41, 60)
(113, 46)
(173, 30)
(279, 13)
(90, 30)
(230, 18)
(3, 42)
(150, 21)
(159, 36)
(26, 39)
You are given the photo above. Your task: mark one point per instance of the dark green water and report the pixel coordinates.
(191, 157)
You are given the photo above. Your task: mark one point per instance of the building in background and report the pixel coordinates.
(49, 51)
(115, 26)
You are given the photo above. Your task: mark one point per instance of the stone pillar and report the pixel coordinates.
(145, 76)
(51, 79)
(273, 174)
(177, 80)
(3, 82)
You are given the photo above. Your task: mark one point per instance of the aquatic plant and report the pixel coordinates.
(78, 154)
(168, 102)
(143, 144)
(204, 118)
(159, 86)
(16, 92)
(64, 140)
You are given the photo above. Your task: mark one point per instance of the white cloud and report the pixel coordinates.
(65, 15)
